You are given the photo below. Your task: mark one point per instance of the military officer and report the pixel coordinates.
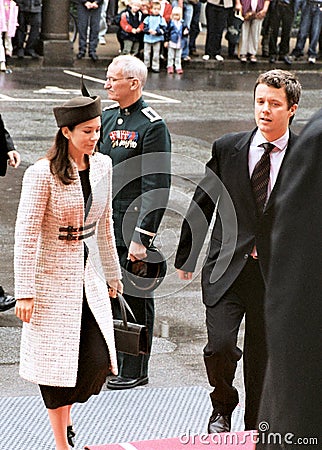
(138, 141)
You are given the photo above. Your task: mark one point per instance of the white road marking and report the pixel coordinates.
(55, 90)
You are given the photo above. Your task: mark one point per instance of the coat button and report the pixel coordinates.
(136, 208)
(246, 256)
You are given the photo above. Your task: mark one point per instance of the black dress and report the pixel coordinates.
(94, 361)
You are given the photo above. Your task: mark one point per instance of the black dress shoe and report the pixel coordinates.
(93, 56)
(6, 301)
(219, 423)
(70, 435)
(286, 59)
(126, 383)
(80, 55)
(272, 59)
(31, 53)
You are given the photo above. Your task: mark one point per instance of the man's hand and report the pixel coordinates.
(14, 158)
(183, 275)
(136, 251)
(24, 309)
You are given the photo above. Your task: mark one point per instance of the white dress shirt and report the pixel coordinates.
(276, 159)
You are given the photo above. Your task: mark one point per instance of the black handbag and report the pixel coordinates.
(130, 338)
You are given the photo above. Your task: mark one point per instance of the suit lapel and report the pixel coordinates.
(272, 196)
(240, 168)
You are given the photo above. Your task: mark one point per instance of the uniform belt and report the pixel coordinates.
(75, 233)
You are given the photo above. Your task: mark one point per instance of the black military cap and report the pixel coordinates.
(77, 110)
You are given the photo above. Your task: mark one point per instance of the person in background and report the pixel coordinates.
(187, 8)
(138, 141)
(194, 28)
(253, 13)
(88, 16)
(8, 155)
(65, 255)
(131, 24)
(310, 25)
(29, 16)
(176, 29)
(241, 184)
(217, 13)
(103, 23)
(292, 396)
(8, 26)
(281, 17)
(154, 30)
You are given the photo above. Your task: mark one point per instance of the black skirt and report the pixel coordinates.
(93, 367)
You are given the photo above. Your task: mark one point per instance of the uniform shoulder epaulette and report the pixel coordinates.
(114, 106)
(152, 115)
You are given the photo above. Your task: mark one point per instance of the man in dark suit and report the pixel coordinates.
(8, 155)
(292, 394)
(233, 275)
(138, 141)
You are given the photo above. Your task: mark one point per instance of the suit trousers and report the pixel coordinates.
(245, 297)
(143, 308)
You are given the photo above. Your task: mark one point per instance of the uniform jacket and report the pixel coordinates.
(293, 312)
(138, 141)
(237, 228)
(6, 145)
(52, 271)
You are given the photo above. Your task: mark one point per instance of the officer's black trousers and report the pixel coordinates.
(143, 309)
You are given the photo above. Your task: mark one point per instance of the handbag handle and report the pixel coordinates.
(124, 306)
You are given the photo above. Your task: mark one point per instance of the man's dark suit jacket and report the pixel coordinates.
(292, 395)
(238, 227)
(6, 144)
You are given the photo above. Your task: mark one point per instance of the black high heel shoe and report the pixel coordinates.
(70, 435)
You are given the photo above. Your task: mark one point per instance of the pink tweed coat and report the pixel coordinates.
(52, 270)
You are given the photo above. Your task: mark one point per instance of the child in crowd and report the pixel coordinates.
(175, 32)
(131, 24)
(154, 30)
(253, 12)
(8, 26)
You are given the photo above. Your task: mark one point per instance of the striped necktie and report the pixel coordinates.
(260, 177)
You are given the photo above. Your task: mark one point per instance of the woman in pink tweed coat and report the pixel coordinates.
(64, 256)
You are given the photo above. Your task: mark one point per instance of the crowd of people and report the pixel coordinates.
(147, 29)
(245, 22)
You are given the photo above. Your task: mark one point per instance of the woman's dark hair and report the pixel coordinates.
(60, 163)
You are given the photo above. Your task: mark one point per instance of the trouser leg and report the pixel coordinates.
(221, 353)
(156, 56)
(82, 15)
(34, 33)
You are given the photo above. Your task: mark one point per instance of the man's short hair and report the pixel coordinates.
(131, 66)
(278, 79)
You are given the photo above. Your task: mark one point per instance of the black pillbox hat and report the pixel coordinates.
(77, 110)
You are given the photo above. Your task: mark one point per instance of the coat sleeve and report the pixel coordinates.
(198, 217)
(155, 181)
(33, 201)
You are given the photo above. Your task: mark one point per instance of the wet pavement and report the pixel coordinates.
(198, 107)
